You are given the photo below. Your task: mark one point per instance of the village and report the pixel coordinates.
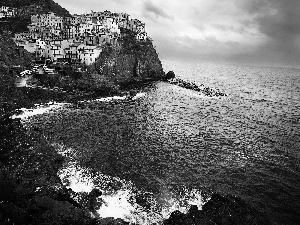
(76, 39)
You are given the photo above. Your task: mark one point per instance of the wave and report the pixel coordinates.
(38, 110)
(120, 198)
(115, 98)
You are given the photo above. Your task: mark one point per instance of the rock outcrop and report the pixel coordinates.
(129, 61)
(170, 75)
(223, 210)
(207, 91)
(12, 61)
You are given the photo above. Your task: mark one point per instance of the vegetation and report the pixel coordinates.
(12, 61)
(47, 5)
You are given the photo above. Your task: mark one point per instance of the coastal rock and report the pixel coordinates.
(223, 210)
(199, 88)
(129, 61)
(170, 75)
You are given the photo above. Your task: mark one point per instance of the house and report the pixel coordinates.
(88, 54)
(4, 8)
(34, 19)
(54, 52)
(2, 14)
(85, 28)
(75, 20)
(71, 52)
(141, 36)
(90, 40)
(22, 36)
(69, 31)
(137, 25)
(40, 48)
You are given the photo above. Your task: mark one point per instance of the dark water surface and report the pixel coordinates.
(170, 143)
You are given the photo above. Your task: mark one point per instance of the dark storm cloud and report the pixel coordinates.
(151, 9)
(279, 21)
(283, 24)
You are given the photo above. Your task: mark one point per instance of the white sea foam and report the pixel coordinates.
(114, 98)
(39, 109)
(193, 93)
(122, 202)
(139, 95)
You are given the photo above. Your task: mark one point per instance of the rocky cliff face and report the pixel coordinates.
(11, 55)
(12, 61)
(130, 61)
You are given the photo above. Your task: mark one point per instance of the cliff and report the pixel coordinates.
(12, 61)
(129, 61)
(11, 55)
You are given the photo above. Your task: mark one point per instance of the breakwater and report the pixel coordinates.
(207, 91)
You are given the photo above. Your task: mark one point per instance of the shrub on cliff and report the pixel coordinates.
(12, 59)
(47, 5)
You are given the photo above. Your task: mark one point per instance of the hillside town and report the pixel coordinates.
(76, 38)
(14, 12)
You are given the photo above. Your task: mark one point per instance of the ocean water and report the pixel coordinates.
(169, 147)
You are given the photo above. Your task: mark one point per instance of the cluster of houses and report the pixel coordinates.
(78, 38)
(6, 11)
(12, 12)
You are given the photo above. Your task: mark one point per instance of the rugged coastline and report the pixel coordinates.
(30, 186)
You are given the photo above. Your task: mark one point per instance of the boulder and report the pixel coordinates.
(170, 75)
(223, 210)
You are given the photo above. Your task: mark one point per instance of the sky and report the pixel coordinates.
(237, 30)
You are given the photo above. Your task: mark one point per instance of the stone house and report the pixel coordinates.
(2, 14)
(4, 8)
(54, 52)
(142, 36)
(88, 54)
(71, 52)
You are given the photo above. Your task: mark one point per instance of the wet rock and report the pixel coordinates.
(65, 195)
(93, 203)
(176, 217)
(222, 210)
(199, 88)
(112, 221)
(170, 75)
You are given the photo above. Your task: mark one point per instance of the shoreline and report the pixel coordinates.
(184, 216)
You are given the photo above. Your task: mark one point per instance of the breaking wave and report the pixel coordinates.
(120, 198)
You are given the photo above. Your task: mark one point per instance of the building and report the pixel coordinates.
(75, 38)
(4, 8)
(2, 14)
(54, 52)
(88, 54)
(141, 36)
(71, 52)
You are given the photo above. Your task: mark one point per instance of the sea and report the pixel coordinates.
(169, 148)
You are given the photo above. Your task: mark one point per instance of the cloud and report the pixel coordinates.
(253, 29)
(279, 21)
(150, 9)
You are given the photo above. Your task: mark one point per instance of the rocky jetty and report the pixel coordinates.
(225, 210)
(192, 86)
